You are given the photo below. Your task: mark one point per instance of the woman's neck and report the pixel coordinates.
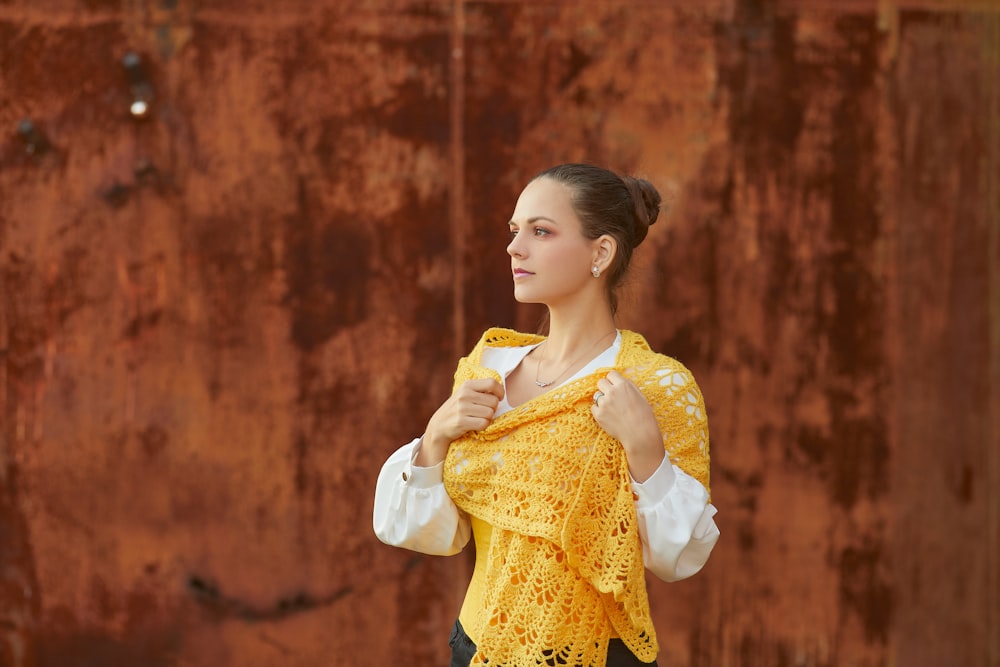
(571, 334)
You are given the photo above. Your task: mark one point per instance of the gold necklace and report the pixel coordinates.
(538, 367)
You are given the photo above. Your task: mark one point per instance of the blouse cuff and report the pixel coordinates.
(654, 490)
(424, 478)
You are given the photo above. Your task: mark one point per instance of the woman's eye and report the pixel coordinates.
(541, 231)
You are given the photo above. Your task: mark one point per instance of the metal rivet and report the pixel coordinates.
(139, 84)
(35, 142)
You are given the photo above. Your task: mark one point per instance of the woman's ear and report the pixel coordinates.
(605, 248)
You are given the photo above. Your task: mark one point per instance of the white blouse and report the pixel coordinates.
(413, 510)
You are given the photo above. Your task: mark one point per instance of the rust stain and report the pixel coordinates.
(19, 589)
(217, 322)
(457, 205)
(991, 59)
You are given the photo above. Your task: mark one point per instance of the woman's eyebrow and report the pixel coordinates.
(533, 220)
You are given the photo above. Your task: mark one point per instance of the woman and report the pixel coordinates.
(575, 460)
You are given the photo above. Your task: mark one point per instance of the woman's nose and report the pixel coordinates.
(514, 247)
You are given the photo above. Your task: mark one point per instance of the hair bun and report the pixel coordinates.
(647, 200)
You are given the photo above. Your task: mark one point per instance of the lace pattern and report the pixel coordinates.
(564, 571)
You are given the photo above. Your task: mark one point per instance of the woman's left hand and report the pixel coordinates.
(621, 410)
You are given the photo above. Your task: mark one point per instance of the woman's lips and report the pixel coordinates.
(521, 273)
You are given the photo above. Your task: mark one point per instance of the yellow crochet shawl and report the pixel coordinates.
(564, 571)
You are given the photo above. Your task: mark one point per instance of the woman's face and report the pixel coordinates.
(550, 258)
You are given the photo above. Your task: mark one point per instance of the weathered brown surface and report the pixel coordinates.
(216, 323)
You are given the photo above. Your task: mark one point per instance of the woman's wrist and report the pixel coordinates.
(642, 464)
(644, 454)
(430, 452)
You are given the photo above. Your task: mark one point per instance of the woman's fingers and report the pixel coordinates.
(609, 390)
(476, 410)
(472, 407)
(617, 402)
(485, 386)
(485, 393)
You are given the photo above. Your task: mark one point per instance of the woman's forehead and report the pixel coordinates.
(544, 198)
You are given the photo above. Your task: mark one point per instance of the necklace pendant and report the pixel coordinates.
(542, 384)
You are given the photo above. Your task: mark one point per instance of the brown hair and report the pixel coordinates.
(621, 206)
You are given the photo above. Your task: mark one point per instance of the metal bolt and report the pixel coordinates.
(139, 84)
(35, 142)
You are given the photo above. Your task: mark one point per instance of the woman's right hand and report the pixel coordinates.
(470, 408)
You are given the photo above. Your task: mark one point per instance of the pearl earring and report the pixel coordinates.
(596, 271)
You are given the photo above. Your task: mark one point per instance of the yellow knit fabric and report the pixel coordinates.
(564, 570)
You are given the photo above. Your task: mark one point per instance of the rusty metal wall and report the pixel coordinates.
(218, 320)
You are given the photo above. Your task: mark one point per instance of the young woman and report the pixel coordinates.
(575, 460)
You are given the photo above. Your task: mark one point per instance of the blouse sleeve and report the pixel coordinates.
(676, 519)
(676, 523)
(413, 510)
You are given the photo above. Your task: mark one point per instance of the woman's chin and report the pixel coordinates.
(522, 296)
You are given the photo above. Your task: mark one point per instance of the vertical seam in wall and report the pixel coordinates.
(457, 201)
(456, 208)
(888, 151)
(991, 174)
(4, 351)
